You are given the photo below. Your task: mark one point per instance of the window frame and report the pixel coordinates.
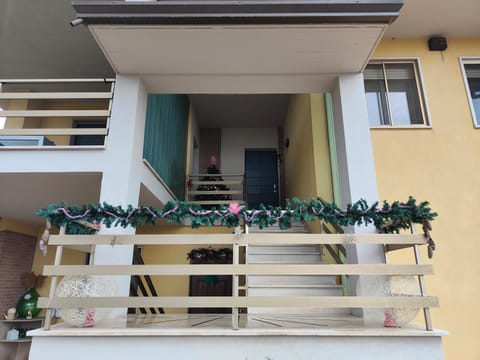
(421, 92)
(469, 60)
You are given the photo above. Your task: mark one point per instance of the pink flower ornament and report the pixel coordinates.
(389, 320)
(235, 208)
(89, 318)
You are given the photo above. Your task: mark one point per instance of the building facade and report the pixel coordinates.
(350, 97)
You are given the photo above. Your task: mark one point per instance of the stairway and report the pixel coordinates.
(291, 285)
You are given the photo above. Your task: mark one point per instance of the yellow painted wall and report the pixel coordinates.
(441, 165)
(307, 162)
(174, 254)
(321, 151)
(18, 227)
(50, 122)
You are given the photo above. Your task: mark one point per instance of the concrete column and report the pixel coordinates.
(123, 166)
(355, 161)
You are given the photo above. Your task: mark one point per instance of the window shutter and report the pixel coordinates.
(472, 71)
(373, 72)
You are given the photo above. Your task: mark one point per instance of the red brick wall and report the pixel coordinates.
(16, 257)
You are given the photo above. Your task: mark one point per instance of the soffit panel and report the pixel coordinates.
(230, 50)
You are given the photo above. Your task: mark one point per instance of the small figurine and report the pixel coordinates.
(29, 314)
(11, 314)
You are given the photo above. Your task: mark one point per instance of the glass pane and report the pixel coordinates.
(375, 92)
(473, 75)
(404, 100)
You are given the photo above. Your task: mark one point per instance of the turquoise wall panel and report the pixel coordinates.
(166, 132)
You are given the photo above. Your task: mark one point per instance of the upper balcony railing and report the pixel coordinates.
(54, 113)
(215, 189)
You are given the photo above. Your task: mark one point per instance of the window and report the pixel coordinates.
(84, 140)
(472, 75)
(394, 95)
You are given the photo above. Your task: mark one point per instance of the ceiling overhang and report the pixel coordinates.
(224, 46)
(234, 58)
(221, 12)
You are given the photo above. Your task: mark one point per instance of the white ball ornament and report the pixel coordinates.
(404, 286)
(389, 286)
(85, 286)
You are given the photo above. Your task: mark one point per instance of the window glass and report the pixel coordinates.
(393, 97)
(473, 77)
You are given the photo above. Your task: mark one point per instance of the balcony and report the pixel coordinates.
(241, 272)
(55, 113)
(269, 315)
(281, 330)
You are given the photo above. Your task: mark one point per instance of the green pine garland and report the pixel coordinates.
(387, 218)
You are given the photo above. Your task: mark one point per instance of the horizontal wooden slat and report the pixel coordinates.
(55, 113)
(215, 192)
(56, 81)
(54, 131)
(342, 239)
(243, 269)
(251, 301)
(245, 239)
(213, 202)
(55, 95)
(224, 182)
(178, 239)
(215, 175)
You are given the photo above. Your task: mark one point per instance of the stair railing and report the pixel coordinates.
(137, 284)
(215, 189)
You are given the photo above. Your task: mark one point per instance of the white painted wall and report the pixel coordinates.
(242, 347)
(236, 140)
(123, 167)
(356, 170)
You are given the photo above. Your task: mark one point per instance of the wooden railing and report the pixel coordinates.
(218, 189)
(239, 299)
(39, 113)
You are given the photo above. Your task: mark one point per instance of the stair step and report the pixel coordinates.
(306, 291)
(296, 227)
(305, 280)
(283, 249)
(300, 311)
(296, 286)
(284, 259)
(272, 229)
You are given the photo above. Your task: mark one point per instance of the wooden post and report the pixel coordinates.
(53, 283)
(421, 283)
(235, 277)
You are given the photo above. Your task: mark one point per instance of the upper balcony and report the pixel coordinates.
(55, 113)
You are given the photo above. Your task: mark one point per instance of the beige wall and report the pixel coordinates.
(441, 165)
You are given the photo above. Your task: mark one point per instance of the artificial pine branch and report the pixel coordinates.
(387, 218)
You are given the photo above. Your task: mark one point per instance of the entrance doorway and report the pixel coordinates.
(261, 177)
